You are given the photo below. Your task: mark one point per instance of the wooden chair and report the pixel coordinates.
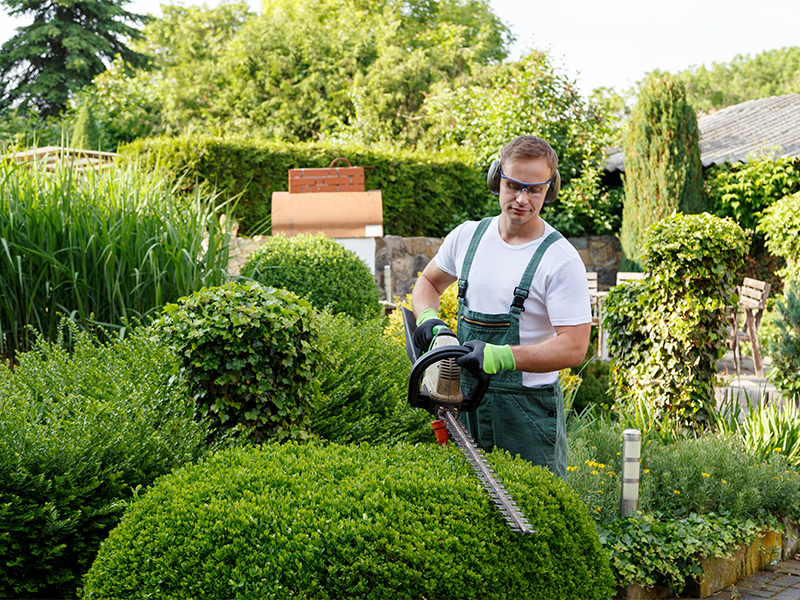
(596, 299)
(752, 302)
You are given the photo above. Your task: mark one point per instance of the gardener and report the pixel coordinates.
(523, 308)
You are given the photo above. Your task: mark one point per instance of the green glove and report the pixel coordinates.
(486, 359)
(429, 325)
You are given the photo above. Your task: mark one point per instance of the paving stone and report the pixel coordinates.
(759, 593)
(786, 580)
(787, 595)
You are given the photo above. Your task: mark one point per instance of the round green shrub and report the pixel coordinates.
(248, 354)
(318, 268)
(331, 521)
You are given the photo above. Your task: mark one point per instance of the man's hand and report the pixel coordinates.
(429, 325)
(486, 359)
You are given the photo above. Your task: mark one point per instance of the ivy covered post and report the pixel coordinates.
(667, 331)
(663, 172)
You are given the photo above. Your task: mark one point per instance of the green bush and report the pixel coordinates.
(364, 381)
(319, 269)
(594, 385)
(247, 353)
(364, 521)
(79, 433)
(784, 345)
(780, 223)
(421, 192)
(742, 190)
(667, 332)
(101, 248)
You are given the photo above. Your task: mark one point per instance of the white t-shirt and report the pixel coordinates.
(559, 293)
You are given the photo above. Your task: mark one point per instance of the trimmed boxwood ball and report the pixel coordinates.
(333, 521)
(319, 269)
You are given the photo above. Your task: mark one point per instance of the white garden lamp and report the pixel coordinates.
(631, 459)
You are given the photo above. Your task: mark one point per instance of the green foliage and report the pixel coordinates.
(594, 385)
(770, 73)
(780, 223)
(79, 433)
(421, 192)
(350, 522)
(86, 134)
(511, 99)
(775, 428)
(663, 172)
(101, 248)
(248, 355)
(651, 551)
(784, 346)
(364, 382)
(742, 190)
(62, 50)
(319, 269)
(667, 331)
(359, 69)
(698, 497)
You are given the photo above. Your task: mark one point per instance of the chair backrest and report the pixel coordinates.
(591, 279)
(753, 294)
(628, 276)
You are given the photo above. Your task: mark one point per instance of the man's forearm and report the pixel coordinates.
(567, 349)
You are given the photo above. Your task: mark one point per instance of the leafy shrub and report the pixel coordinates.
(101, 248)
(319, 269)
(79, 433)
(448, 312)
(594, 386)
(784, 345)
(667, 332)
(349, 522)
(742, 190)
(780, 223)
(364, 382)
(421, 192)
(248, 355)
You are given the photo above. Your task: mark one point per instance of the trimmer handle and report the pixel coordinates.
(418, 396)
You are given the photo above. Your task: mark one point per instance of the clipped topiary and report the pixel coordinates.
(318, 268)
(314, 521)
(248, 355)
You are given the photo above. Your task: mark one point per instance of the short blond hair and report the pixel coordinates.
(529, 147)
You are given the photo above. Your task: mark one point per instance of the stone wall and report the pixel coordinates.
(407, 257)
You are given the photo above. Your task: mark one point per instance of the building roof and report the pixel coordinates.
(730, 134)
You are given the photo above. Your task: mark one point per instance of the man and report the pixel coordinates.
(523, 308)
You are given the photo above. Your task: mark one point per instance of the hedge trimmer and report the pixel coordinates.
(435, 385)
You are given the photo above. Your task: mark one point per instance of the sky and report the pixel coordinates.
(613, 43)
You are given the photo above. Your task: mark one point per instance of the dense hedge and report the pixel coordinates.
(423, 193)
(364, 521)
(78, 435)
(317, 268)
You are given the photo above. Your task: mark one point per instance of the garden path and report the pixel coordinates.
(746, 385)
(781, 582)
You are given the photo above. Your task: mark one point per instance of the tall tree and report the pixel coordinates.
(663, 172)
(66, 46)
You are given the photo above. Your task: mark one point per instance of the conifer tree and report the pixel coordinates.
(663, 172)
(65, 47)
(86, 134)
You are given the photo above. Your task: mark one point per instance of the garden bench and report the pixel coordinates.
(752, 302)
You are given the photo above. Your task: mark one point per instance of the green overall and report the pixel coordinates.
(528, 421)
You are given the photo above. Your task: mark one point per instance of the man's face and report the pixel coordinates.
(522, 207)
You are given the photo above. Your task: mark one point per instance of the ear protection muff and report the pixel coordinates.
(493, 182)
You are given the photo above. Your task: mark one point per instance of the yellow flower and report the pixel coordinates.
(676, 491)
(647, 470)
(723, 481)
(594, 473)
(706, 475)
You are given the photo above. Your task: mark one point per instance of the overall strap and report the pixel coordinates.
(473, 247)
(521, 292)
